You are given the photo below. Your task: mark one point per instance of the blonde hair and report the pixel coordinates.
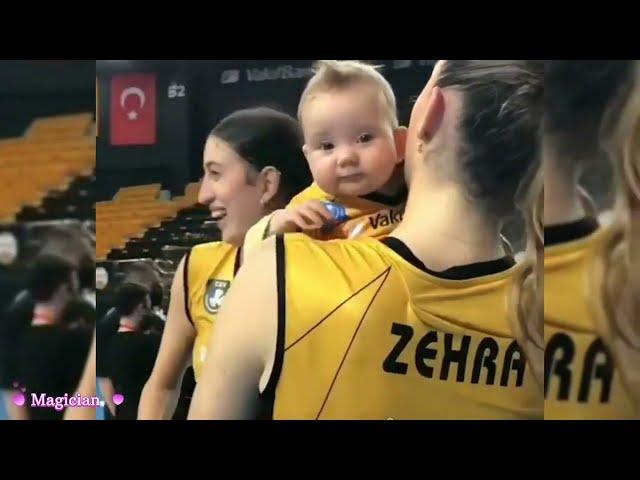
(618, 135)
(629, 136)
(330, 74)
(530, 289)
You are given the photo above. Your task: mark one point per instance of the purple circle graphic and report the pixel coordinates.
(18, 399)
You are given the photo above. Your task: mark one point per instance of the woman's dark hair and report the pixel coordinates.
(47, 274)
(266, 137)
(577, 96)
(500, 124)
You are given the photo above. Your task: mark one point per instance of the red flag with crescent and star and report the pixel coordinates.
(133, 109)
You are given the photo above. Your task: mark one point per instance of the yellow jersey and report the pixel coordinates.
(581, 378)
(209, 269)
(366, 331)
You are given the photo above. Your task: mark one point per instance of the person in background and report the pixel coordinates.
(54, 349)
(138, 273)
(132, 350)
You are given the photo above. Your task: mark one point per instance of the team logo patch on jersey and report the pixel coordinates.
(216, 290)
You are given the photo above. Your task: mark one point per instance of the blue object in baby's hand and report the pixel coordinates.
(338, 212)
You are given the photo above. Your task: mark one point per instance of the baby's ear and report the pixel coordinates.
(305, 150)
(400, 138)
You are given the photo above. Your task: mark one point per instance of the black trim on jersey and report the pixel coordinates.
(460, 272)
(269, 393)
(236, 263)
(389, 200)
(185, 285)
(567, 232)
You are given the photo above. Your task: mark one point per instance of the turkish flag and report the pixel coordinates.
(133, 109)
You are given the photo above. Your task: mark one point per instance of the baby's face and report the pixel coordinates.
(349, 140)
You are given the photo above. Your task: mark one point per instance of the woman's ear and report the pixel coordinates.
(433, 115)
(270, 184)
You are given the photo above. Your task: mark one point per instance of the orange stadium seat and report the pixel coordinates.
(63, 126)
(133, 211)
(52, 153)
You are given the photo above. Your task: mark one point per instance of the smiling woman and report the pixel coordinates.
(244, 160)
(253, 164)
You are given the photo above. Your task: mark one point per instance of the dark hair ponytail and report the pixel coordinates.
(265, 137)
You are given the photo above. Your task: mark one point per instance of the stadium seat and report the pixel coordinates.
(176, 222)
(45, 163)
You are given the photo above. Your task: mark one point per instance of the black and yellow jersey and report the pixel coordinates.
(581, 378)
(209, 269)
(366, 331)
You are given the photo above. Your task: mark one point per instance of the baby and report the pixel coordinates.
(354, 147)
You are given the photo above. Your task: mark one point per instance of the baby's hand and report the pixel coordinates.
(309, 216)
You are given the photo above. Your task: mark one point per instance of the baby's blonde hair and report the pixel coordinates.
(331, 74)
